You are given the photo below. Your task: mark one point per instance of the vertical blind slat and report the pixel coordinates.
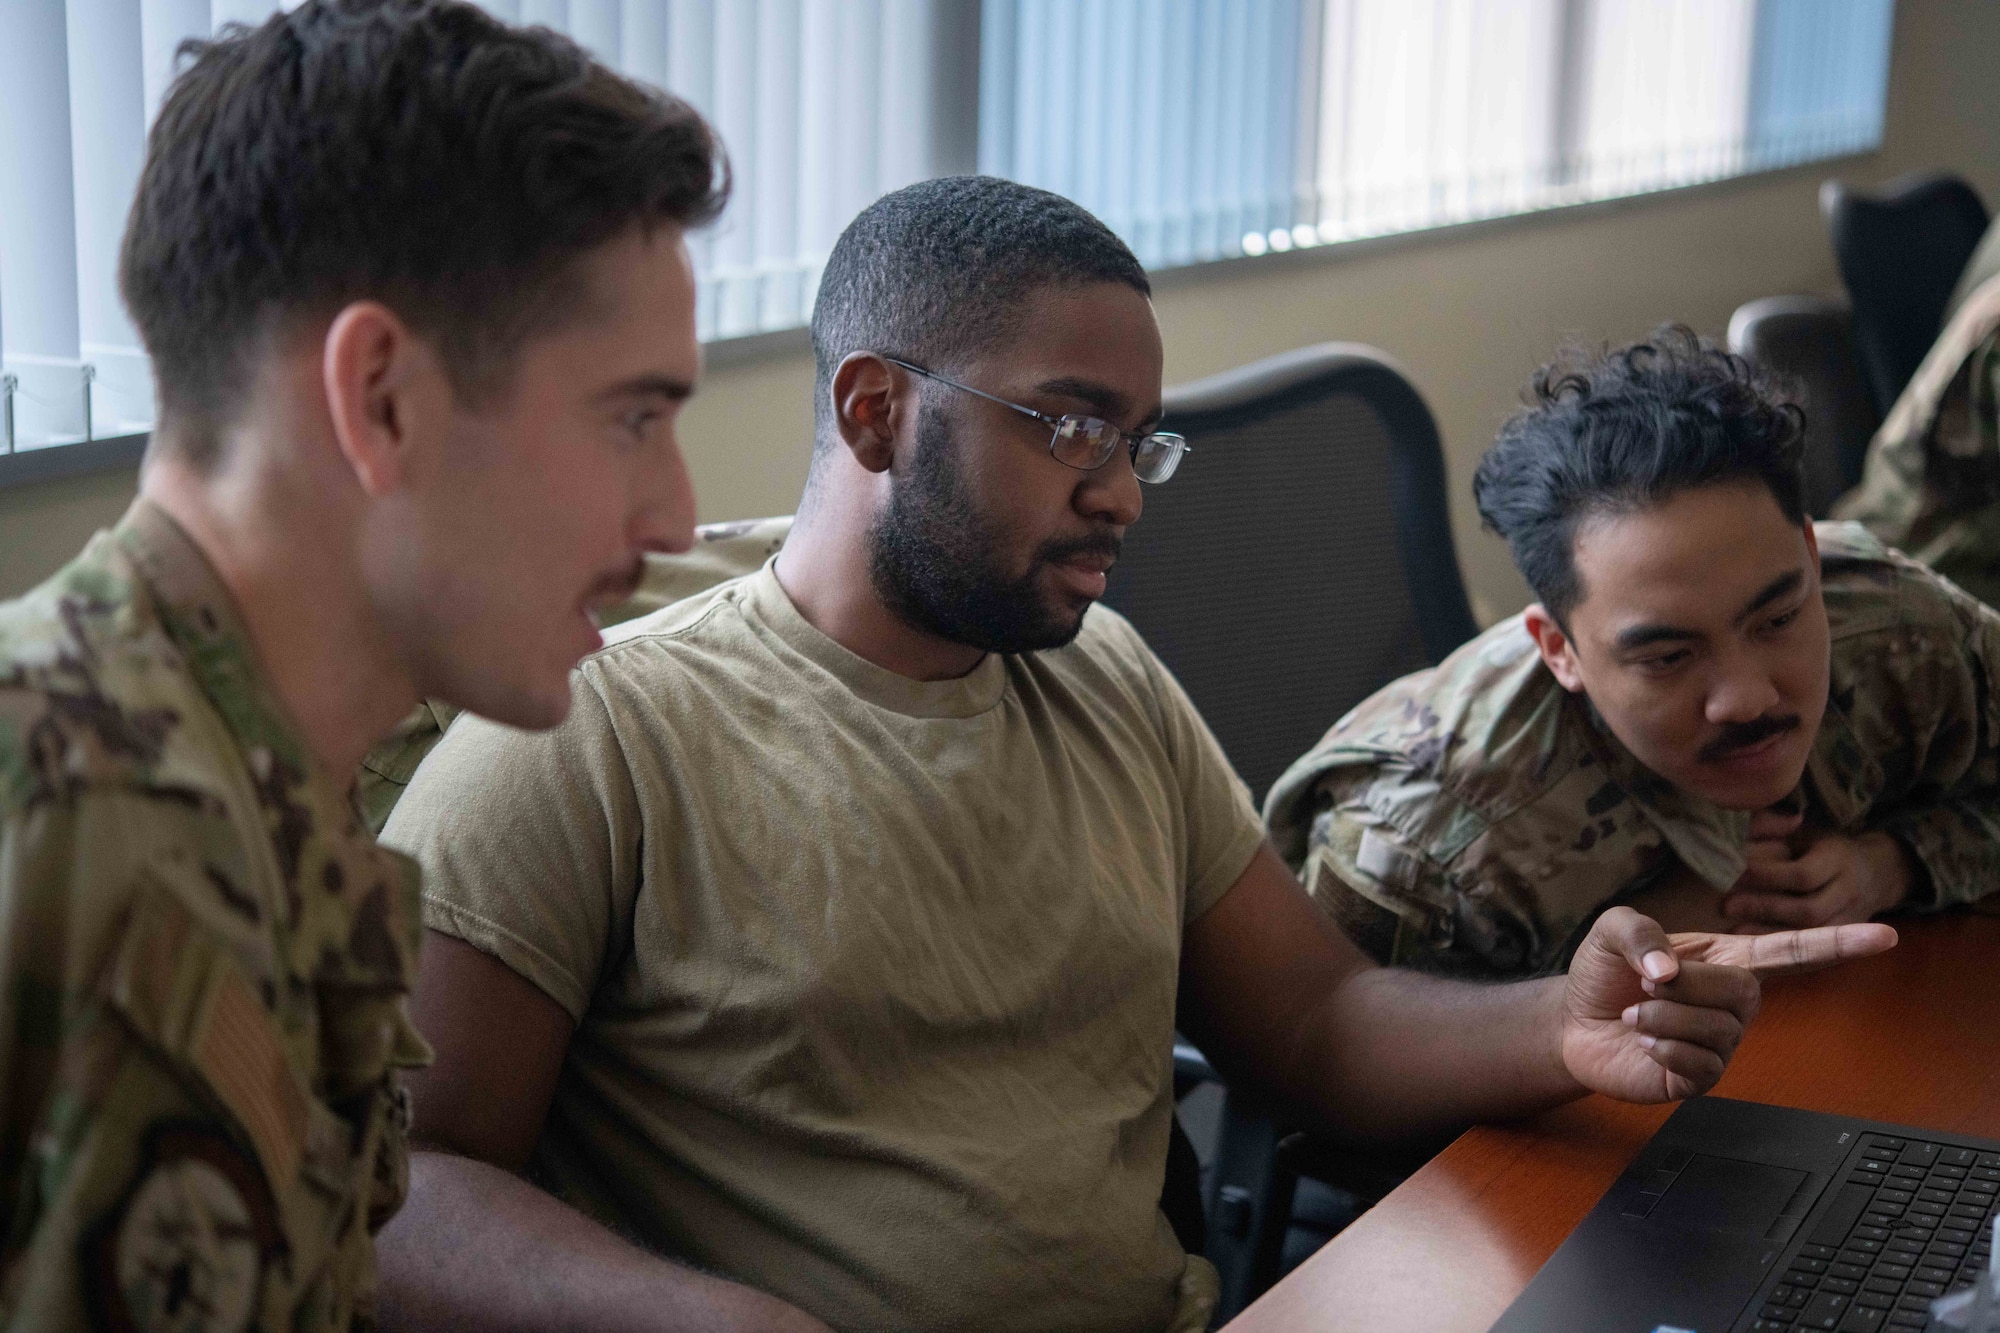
(1198, 129)
(39, 343)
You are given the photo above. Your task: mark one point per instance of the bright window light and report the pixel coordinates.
(1197, 129)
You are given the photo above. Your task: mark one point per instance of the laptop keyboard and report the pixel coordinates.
(1911, 1222)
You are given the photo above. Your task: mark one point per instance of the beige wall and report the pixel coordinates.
(1469, 312)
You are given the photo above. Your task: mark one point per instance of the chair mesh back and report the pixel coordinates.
(1808, 344)
(1266, 577)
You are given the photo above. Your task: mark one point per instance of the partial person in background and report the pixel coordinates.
(835, 943)
(1718, 711)
(421, 316)
(1931, 483)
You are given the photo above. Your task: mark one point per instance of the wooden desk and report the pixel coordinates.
(1912, 1037)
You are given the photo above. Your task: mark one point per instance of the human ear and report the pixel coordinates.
(866, 405)
(1558, 652)
(382, 384)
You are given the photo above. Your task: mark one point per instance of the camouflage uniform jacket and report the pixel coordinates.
(1476, 817)
(204, 959)
(1985, 263)
(1931, 483)
(722, 551)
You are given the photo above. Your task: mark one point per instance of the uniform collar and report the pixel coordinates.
(350, 904)
(1708, 839)
(201, 618)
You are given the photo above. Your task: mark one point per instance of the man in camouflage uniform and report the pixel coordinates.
(1931, 485)
(204, 956)
(1718, 709)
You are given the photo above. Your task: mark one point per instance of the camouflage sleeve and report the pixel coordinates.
(1475, 915)
(1958, 845)
(1950, 821)
(1957, 842)
(1369, 910)
(1931, 483)
(1406, 908)
(105, 1146)
(161, 1163)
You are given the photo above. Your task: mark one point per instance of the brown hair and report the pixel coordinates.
(416, 152)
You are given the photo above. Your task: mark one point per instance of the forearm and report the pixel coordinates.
(478, 1247)
(1955, 848)
(1394, 1055)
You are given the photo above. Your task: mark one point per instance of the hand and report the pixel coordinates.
(1771, 832)
(1652, 1017)
(1835, 880)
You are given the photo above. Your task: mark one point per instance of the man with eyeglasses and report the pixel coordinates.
(835, 943)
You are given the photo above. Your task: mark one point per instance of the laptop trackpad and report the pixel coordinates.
(1726, 1195)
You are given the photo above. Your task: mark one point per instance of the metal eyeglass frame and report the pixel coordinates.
(1131, 439)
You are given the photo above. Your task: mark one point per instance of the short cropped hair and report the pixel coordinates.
(1625, 430)
(932, 271)
(416, 152)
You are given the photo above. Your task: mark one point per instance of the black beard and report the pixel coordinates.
(933, 559)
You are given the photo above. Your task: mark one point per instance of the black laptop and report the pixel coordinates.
(1745, 1218)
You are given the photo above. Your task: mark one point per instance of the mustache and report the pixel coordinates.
(1106, 544)
(1742, 735)
(619, 585)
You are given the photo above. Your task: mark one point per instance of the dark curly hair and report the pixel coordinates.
(1624, 430)
(417, 152)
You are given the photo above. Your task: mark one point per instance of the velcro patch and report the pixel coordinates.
(182, 989)
(238, 1052)
(1385, 860)
(186, 1250)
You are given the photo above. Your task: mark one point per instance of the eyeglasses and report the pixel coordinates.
(1086, 443)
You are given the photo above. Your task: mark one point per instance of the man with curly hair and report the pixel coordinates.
(1718, 711)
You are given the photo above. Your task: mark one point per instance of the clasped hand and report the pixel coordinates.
(1832, 879)
(1652, 1017)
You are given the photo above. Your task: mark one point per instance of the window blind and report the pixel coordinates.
(1208, 129)
(1198, 129)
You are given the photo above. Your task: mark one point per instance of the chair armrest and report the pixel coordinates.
(1191, 1068)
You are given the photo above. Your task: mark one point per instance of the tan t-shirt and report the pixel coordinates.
(873, 978)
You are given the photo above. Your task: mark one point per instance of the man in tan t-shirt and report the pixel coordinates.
(835, 943)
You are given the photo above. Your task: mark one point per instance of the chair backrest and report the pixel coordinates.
(1302, 556)
(1901, 249)
(1807, 343)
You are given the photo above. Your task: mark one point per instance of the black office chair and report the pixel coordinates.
(1901, 248)
(1301, 559)
(1302, 556)
(1807, 343)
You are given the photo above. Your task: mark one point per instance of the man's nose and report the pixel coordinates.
(1110, 493)
(1742, 692)
(663, 509)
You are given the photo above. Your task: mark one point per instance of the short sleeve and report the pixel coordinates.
(528, 843)
(1366, 876)
(1223, 828)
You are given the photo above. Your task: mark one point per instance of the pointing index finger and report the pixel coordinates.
(1789, 951)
